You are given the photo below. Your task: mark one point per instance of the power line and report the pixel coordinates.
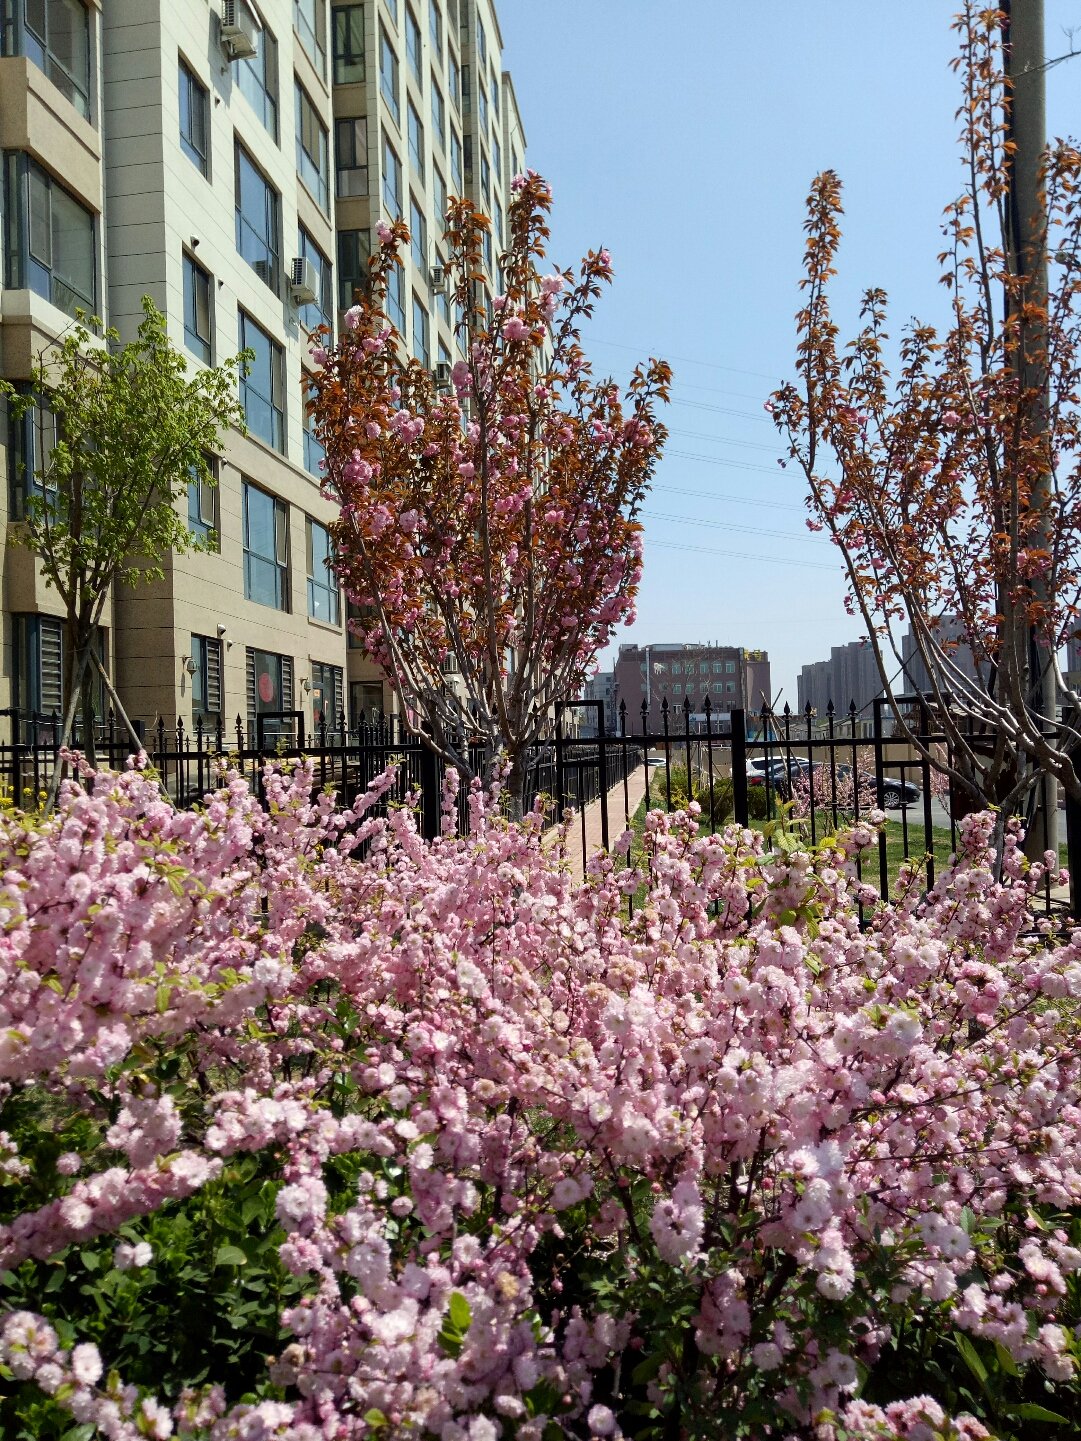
(685, 359)
(728, 525)
(715, 460)
(724, 439)
(725, 498)
(723, 410)
(742, 555)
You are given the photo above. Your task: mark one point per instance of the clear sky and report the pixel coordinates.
(683, 135)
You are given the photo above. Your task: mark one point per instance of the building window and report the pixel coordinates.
(416, 143)
(354, 252)
(388, 75)
(435, 29)
(482, 46)
(349, 45)
(392, 180)
(395, 305)
(194, 128)
(30, 442)
(310, 23)
(39, 665)
(730, 666)
(351, 156)
(324, 602)
(456, 164)
(454, 80)
(55, 35)
(439, 185)
(327, 695)
(206, 698)
(412, 44)
(269, 684)
(258, 221)
(50, 239)
(314, 450)
(365, 702)
(439, 116)
(262, 389)
(497, 161)
(203, 506)
(418, 239)
(730, 686)
(321, 310)
(482, 107)
(198, 335)
(487, 243)
(495, 94)
(266, 548)
(497, 216)
(313, 165)
(257, 77)
(421, 342)
(485, 179)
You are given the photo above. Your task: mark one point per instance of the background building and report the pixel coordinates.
(601, 687)
(849, 676)
(232, 162)
(732, 677)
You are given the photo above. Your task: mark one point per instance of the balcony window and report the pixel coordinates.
(456, 164)
(197, 310)
(388, 75)
(349, 68)
(55, 35)
(203, 506)
(421, 342)
(416, 143)
(412, 44)
(495, 95)
(194, 128)
(354, 251)
(439, 185)
(310, 23)
(435, 29)
(50, 239)
(328, 696)
(418, 239)
(395, 306)
(321, 310)
(497, 161)
(262, 389)
(485, 179)
(314, 450)
(206, 697)
(392, 180)
(482, 47)
(351, 156)
(30, 441)
(482, 107)
(439, 117)
(266, 548)
(258, 221)
(324, 599)
(454, 80)
(257, 77)
(313, 165)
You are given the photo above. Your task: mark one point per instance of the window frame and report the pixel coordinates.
(18, 37)
(277, 439)
(435, 29)
(24, 269)
(262, 91)
(191, 89)
(389, 85)
(329, 589)
(415, 140)
(418, 237)
(439, 115)
(271, 237)
(344, 149)
(320, 311)
(313, 170)
(199, 346)
(350, 270)
(395, 303)
(423, 352)
(203, 507)
(393, 202)
(350, 58)
(279, 561)
(414, 46)
(206, 649)
(303, 27)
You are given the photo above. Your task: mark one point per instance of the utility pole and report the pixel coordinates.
(1023, 38)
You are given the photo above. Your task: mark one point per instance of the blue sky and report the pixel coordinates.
(684, 136)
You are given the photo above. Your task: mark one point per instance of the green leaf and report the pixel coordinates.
(1005, 1360)
(1028, 1411)
(460, 1314)
(971, 1358)
(230, 1256)
(375, 1418)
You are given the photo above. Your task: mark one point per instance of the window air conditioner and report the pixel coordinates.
(237, 30)
(442, 374)
(303, 281)
(437, 274)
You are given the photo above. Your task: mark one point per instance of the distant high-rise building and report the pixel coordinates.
(232, 162)
(850, 676)
(683, 675)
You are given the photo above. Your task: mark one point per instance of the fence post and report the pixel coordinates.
(429, 793)
(602, 772)
(561, 790)
(880, 793)
(739, 767)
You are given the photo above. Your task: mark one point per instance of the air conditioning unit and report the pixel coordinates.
(441, 374)
(303, 281)
(237, 30)
(437, 274)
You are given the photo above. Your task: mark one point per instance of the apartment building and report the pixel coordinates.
(231, 161)
(683, 674)
(850, 676)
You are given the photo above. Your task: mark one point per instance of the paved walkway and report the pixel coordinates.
(584, 839)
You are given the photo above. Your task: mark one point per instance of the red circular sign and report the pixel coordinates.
(266, 688)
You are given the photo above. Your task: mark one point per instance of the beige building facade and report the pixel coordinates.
(231, 162)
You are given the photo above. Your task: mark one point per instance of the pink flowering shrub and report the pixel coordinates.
(314, 1130)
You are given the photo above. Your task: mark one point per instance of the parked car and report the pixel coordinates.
(896, 792)
(779, 771)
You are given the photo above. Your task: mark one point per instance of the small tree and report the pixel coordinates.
(953, 490)
(489, 533)
(133, 429)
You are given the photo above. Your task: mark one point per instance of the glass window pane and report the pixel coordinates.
(348, 44)
(73, 252)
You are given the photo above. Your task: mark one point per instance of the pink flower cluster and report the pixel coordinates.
(809, 1132)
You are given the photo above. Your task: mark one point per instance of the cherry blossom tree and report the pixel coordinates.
(489, 531)
(951, 484)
